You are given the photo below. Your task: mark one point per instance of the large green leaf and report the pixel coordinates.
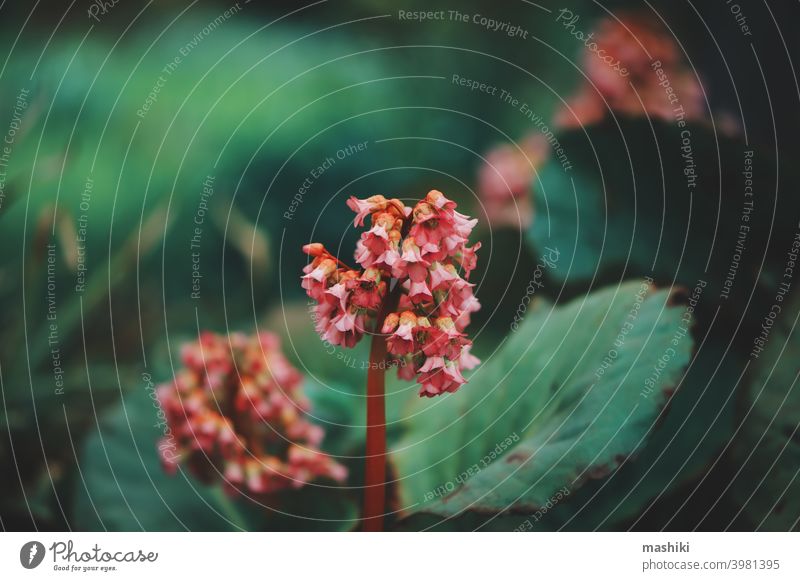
(122, 487)
(545, 413)
(690, 433)
(767, 448)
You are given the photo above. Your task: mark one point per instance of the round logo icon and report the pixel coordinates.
(31, 554)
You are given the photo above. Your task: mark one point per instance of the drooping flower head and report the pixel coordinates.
(236, 413)
(422, 253)
(648, 54)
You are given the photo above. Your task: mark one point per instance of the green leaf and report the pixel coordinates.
(648, 198)
(766, 450)
(692, 430)
(568, 397)
(122, 486)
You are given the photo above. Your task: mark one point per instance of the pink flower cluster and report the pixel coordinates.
(506, 178)
(635, 42)
(425, 250)
(236, 412)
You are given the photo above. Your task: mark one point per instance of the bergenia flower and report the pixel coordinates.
(505, 181)
(633, 42)
(425, 250)
(236, 413)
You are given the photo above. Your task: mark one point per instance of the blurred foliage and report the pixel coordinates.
(766, 448)
(647, 198)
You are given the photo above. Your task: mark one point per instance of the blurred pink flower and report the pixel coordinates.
(236, 412)
(638, 43)
(505, 181)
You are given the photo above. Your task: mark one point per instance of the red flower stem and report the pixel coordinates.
(375, 471)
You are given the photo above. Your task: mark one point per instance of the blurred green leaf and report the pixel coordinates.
(122, 486)
(766, 451)
(648, 198)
